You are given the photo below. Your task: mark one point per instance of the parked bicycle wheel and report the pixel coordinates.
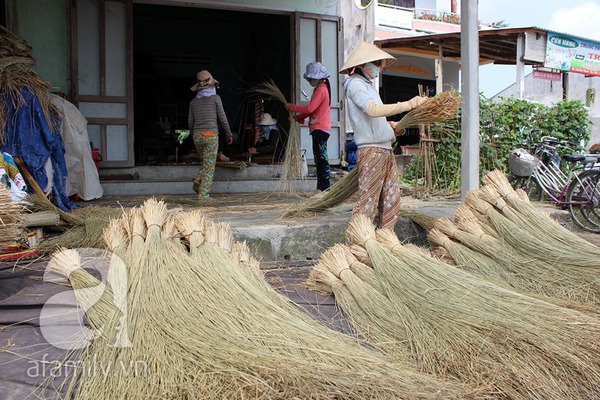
(593, 216)
(530, 185)
(583, 196)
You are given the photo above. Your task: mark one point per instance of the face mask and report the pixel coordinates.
(371, 70)
(313, 82)
(266, 130)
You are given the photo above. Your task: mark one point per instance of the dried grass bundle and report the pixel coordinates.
(291, 167)
(459, 325)
(11, 217)
(367, 308)
(338, 193)
(520, 211)
(16, 73)
(423, 220)
(204, 329)
(578, 270)
(93, 295)
(442, 107)
(87, 230)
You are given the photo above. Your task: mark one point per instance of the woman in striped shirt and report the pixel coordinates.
(205, 113)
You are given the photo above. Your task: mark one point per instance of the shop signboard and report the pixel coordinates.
(567, 53)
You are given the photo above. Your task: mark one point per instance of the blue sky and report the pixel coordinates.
(575, 17)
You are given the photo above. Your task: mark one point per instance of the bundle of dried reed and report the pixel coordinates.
(442, 107)
(579, 266)
(522, 212)
(458, 324)
(87, 226)
(366, 307)
(292, 165)
(204, 329)
(11, 217)
(338, 193)
(16, 73)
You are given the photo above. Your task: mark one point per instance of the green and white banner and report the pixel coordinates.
(571, 54)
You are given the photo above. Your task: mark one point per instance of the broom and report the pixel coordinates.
(487, 335)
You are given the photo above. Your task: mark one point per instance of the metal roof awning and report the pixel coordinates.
(495, 45)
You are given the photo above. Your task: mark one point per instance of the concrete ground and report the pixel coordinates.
(258, 219)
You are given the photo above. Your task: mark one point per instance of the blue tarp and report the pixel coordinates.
(31, 138)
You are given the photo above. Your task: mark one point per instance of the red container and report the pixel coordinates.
(96, 157)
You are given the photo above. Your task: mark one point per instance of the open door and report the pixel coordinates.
(102, 88)
(319, 38)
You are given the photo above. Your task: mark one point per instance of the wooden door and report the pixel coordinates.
(102, 71)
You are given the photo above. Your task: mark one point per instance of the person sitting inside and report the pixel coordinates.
(267, 138)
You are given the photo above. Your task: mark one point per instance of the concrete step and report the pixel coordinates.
(177, 180)
(152, 187)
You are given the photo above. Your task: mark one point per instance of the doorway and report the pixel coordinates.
(396, 88)
(171, 44)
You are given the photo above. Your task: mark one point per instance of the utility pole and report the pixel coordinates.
(469, 58)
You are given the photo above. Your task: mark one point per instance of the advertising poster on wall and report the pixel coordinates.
(572, 54)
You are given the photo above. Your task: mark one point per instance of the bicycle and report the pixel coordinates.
(539, 174)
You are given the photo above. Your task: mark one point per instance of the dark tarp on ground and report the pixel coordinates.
(29, 136)
(29, 365)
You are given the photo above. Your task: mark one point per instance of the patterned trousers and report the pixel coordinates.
(207, 144)
(378, 186)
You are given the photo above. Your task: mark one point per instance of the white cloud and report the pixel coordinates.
(580, 20)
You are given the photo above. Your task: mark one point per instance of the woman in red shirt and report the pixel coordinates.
(319, 118)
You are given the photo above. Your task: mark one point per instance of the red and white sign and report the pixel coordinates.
(547, 75)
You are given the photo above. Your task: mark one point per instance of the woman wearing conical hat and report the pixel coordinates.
(378, 186)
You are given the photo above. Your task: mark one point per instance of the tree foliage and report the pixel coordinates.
(504, 125)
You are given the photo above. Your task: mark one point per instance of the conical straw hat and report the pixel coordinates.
(365, 53)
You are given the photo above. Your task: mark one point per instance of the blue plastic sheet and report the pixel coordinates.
(30, 137)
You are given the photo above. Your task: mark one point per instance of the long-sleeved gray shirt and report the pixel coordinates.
(205, 113)
(368, 131)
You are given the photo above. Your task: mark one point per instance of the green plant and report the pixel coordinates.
(504, 126)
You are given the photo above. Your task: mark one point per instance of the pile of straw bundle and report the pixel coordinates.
(16, 72)
(11, 217)
(203, 327)
(440, 108)
(291, 167)
(452, 323)
(498, 235)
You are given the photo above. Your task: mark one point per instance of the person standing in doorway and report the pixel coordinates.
(205, 113)
(378, 185)
(318, 111)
